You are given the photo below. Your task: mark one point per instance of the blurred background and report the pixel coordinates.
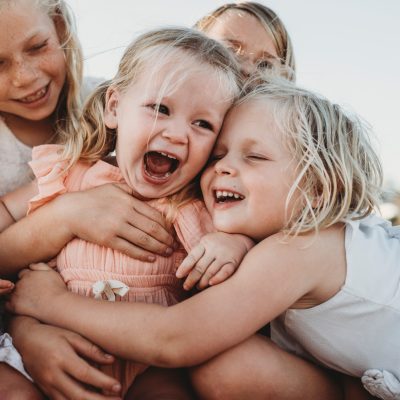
(347, 50)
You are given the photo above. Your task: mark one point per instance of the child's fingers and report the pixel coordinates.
(67, 388)
(223, 274)
(89, 350)
(190, 261)
(198, 271)
(4, 284)
(212, 269)
(4, 291)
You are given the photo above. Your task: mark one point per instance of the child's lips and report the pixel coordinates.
(34, 96)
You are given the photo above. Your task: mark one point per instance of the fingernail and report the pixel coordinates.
(116, 388)
(169, 251)
(151, 258)
(108, 356)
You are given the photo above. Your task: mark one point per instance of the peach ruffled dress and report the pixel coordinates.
(81, 264)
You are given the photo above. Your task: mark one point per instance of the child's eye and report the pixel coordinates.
(38, 46)
(204, 124)
(257, 157)
(235, 48)
(264, 64)
(160, 109)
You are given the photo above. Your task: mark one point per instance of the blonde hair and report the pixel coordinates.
(69, 103)
(339, 175)
(93, 140)
(271, 23)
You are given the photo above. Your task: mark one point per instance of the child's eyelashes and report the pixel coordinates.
(257, 157)
(160, 108)
(264, 64)
(204, 124)
(38, 46)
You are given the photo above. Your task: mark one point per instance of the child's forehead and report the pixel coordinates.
(171, 73)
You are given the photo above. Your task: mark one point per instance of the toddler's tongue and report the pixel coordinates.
(157, 164)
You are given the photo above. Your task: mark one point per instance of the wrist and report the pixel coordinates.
(19, 326)
(65, 214)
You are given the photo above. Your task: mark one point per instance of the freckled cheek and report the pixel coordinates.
(54, 65)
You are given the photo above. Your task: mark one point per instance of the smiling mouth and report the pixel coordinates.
(160, 165)
(225, 196)
(39, 94)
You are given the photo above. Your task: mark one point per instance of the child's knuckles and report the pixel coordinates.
(153, 228)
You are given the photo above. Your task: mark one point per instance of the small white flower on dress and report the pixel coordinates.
(109, 289)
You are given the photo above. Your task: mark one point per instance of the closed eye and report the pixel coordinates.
(38, 46)
(204, 124)
(160, 109)
(257, 157)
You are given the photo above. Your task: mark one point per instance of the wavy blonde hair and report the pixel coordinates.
(69, 103)
(271, 23)
(339, 175)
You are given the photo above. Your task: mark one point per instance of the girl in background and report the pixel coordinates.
(254, 33)
(167, 100)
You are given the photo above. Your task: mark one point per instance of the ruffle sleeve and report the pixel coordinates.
(191, 223)
(50, 171)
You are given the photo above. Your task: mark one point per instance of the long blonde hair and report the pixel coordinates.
(271, 23)
(339, 175)
(69, 103)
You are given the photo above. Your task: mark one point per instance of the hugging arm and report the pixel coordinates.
(106, 215)
(184, 334)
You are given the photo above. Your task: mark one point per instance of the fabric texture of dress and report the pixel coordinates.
(358, 328)
(81, 264)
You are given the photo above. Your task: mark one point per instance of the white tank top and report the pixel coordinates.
(14, 157)
(359, 327)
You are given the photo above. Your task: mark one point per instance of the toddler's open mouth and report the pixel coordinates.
(160, 165)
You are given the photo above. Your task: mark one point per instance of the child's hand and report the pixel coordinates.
(5, 287)
(35, 291)
(214, 259)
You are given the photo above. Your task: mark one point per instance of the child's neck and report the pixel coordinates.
(31, 133)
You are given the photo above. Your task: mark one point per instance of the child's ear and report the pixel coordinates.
(110, 111)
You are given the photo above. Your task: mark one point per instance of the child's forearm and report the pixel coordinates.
(37, 237)
(148, 333)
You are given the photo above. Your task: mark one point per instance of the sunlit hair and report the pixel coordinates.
(338, 174)
(185, 50)
(271, 23)
(69, 102)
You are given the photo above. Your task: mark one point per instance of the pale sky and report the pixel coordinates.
(347, 50)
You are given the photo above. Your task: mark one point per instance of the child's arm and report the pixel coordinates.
(271, 278)
(106, 215)
(68, 371)
(214, 259)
